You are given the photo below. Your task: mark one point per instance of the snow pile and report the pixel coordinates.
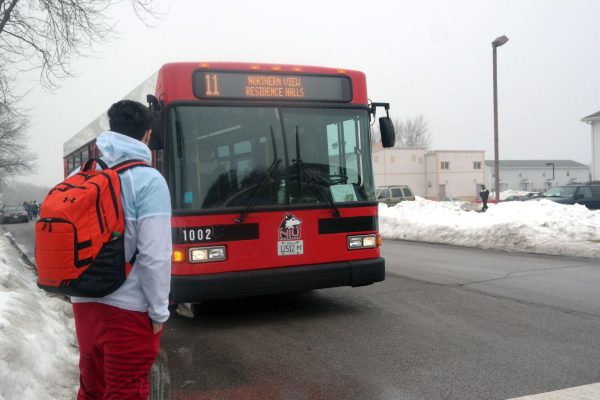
(542, 227)
(38, 354)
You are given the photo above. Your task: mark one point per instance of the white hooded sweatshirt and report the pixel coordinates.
(147, 208)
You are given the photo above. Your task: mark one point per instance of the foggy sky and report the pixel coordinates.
(427, 57)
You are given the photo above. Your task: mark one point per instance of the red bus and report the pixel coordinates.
(269, 169)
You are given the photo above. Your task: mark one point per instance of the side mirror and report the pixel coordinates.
(388, 135)
(157, 139)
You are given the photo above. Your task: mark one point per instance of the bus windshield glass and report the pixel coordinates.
(222, 157)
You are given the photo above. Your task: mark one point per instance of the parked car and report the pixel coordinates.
(13, 213)
(585, 194)
(394, 194)
(523, 197)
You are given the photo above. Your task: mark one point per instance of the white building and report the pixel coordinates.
(536, 175)
(395, 166)
(458, 173)
(594, 121)
(430, 174)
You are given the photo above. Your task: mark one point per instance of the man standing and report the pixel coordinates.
(484, 194)
(119, 334)
(35, 209)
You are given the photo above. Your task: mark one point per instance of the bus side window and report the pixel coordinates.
(70, 164)
(85, 155)
(94, 151)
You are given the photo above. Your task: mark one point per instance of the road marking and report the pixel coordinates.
(586, 392)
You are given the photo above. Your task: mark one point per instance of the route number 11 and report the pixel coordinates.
(212, 84)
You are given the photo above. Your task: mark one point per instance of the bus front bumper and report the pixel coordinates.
(196, 288)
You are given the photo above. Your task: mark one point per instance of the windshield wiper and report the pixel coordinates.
(260, 187)
(312, 180)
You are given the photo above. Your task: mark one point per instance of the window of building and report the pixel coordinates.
(414, 158)
(568, 173)
(476, 164)
(445, 165)
(376, 158)
(392, 159)
(420, 160)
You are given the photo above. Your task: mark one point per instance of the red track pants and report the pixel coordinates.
(116, 350)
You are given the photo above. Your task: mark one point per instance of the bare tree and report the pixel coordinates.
(412, 133)
(44, 35)
(15, 158)
(375, 133)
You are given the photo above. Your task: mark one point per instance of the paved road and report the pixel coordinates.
(447, 323)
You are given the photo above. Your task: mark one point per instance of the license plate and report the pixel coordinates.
(290, 247)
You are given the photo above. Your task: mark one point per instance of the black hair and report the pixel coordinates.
(129, 118)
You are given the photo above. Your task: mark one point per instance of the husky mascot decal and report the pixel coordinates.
(290, 228)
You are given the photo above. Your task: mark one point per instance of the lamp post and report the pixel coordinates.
(548, 164)
(499, 41)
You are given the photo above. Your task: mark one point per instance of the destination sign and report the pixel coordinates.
(261, 86)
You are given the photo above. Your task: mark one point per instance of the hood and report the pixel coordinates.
(116, 148)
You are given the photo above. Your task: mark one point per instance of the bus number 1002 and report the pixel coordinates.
(196, 235)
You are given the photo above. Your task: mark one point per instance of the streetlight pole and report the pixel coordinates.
(499, 41)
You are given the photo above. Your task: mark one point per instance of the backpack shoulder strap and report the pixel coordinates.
(90, 165)
(125, 165)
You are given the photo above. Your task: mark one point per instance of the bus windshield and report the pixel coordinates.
(220, 157)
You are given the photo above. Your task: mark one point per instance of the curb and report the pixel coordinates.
(21, 252)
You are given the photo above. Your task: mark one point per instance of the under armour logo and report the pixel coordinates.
(72, 200)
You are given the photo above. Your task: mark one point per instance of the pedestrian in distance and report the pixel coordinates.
(119, 334)
(35, 209)
(484, 193)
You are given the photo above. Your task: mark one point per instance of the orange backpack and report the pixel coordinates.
(79, 238)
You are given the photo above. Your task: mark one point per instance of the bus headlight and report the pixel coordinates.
(207, 254)
(362, 241)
